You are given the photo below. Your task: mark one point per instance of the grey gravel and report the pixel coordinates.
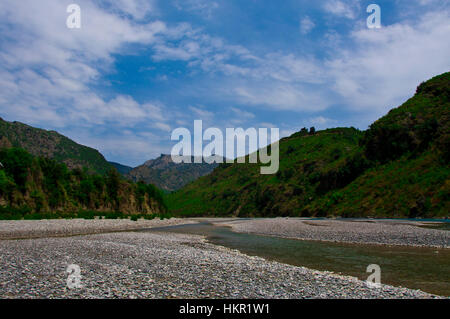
(125, 264)
(386, 232)
(25, 229)
(163, 265)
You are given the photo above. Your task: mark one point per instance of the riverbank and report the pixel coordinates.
(380, 232)
(118, 262)
(164, 265)
(28, 229)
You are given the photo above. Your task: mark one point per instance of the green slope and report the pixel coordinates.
(239, 189)
(51, 144)
(35, 185)
(399, 167)
(402, 188)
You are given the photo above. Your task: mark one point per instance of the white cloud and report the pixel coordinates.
(137, 9)
(380, 70)
(389, 63)
(47, 72)
(202, 51)
(306, 25)
(162, 126)
(205, 8)
(347, 9)
(239, 117)
(282, 97)
(201, 114)
(50, 67)
(242, 113)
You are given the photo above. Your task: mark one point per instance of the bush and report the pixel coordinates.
(6, 184)
(16, 163)
(88, 214)
(39, 200)
(113, 182)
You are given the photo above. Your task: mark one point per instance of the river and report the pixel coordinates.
(427, 269)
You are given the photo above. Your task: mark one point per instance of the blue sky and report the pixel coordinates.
(138, 69)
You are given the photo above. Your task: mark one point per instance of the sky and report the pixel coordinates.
(138, 69)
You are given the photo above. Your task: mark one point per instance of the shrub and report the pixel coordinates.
(6, 184)
(16, 163)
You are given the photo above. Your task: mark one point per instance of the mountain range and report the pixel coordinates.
(161, 172)
(399, 167)
(167, 175)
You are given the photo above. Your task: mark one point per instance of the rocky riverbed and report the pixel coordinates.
(384, 232)
(131, 264)
(26, 229)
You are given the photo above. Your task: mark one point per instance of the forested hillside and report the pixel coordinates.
(399, 167)
(36, 185)
(51, 144)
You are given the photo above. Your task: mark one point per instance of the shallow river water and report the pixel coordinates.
(427, 269)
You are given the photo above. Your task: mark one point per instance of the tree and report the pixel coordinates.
(6, 184)
(112, 183)
(312, 131)
(16, 163)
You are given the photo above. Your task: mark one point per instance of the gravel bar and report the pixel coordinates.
(27, 229)
(164, 265)
(385, 232)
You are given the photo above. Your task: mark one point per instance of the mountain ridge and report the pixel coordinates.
(51, 144)
(399, 167)
(167, 175)
(122, 169)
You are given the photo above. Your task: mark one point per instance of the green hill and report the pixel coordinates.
(36, 186)
(399, 167)
(51, 144)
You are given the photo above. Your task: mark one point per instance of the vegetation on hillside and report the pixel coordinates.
(399, 167)
(36, 185)
(51, 144)
(307, 168)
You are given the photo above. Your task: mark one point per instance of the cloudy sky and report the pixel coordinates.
(137, 69)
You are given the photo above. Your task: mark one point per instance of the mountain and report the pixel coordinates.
(50, 144)
(167, 175)
(399, 167)
(37, 185)
(122, 169)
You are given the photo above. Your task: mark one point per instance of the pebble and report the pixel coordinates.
(382, 232)
(161, 265)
